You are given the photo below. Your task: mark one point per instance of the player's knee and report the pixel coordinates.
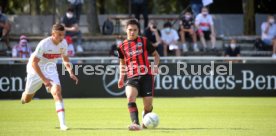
(27, 100)
(131, 99)
(56, 90)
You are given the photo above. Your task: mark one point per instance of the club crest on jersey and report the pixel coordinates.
(139, 44)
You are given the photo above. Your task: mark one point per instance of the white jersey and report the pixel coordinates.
(169, 38)
(48, 53)
(204, 22)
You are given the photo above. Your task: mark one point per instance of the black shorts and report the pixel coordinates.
(207, 35)
(143, 83)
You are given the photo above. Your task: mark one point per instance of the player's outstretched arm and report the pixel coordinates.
(46, 81)
(156, 61)
(68, 65)
(122, 73)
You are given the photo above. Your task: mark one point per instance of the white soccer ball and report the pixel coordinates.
(151, 120)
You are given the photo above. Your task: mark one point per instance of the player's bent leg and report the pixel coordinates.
(131, 93)
(56, 93)
(26, 98)
(147, 104)
(33, 84)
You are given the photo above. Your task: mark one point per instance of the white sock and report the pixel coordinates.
(60, 113)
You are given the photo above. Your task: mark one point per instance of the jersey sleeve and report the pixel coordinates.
(120, 53)
(150, 48)
(65, 48)
(39, 50)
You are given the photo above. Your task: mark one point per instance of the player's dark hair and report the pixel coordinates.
(133, 22)
(167, 24)
(70, 9)
(58, 27)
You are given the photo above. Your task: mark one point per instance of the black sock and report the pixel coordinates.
(132, 108)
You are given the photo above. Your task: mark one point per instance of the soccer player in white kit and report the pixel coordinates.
(41, 69)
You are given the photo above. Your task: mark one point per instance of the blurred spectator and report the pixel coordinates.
(70, 48)
(196, 6)
(22, 50)
(72, 27)
(77, 7)
(169, 38)
(205, 26)
(187, 28)
(232, 50)
(140, 7)
(268, 38)
(5, 28)
(154, 36)
(108, 27)
(114, 51)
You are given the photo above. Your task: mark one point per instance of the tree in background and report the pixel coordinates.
(92, 17)
(249, 17)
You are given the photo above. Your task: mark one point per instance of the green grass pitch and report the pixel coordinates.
(199, 116)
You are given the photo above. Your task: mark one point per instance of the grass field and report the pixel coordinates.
(109, 117)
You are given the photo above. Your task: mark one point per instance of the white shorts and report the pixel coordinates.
(34, 82)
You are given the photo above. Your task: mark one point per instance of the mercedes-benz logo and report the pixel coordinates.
(110, 81)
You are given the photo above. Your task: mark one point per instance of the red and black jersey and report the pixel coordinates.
(135, 54)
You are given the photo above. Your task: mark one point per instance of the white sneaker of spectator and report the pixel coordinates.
(173, 47)
(195, 48)
(274, 56)
(79, 48)
(184, 47)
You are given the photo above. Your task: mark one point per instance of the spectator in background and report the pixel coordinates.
(268, 38)
(205, 27)
(196, 6)
(5, 28)
(107, 27)
(169, 39)
(72, 27)
(77, 7)
(70, 48)
(140, 7)
(22, 50)
(154, 36)
(232, 50)
(187, 27)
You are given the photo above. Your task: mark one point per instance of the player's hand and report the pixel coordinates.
(74, 78)
(47, 83)
(155, 70)
(121, 83)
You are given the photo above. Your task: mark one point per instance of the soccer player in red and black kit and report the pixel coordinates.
(133, 54)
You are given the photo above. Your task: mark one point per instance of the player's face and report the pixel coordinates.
(58, 36)
(132, 32)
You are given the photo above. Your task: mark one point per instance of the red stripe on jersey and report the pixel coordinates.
(204, 24)
(132, 109)
(135, 56)
(60, 110)
(140, 57)
(51, 56)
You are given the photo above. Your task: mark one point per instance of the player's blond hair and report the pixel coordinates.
(58, 27)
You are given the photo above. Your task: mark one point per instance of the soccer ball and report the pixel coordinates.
(151, 120)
